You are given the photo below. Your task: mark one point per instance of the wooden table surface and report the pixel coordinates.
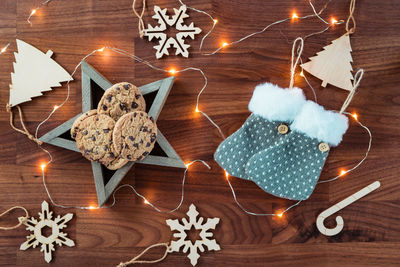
(72, 29)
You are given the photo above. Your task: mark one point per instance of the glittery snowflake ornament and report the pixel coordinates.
(205, 236)
(56, 236)
(165, 21)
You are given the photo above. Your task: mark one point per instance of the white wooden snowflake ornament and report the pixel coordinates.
(205, 236)
(56, 235)
(165, 21)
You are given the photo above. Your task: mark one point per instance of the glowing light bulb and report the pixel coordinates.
(43, 166)
(295, 16)
(101, 49)
(3, 49)
(172, 71)
(215, 21)
(355, 116)
(146, 202)
(33, 12)
(56, 107)
(333, 21)
(302, 74)
(343, 172)
(197, 109)
(187, 165)
(92, 207)
(226, 174)
(224, 44)
(280, 214)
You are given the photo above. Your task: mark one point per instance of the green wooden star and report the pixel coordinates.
(57, 136)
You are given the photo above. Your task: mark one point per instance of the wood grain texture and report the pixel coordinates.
(371, 235)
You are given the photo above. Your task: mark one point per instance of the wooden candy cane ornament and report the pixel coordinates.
(342, 204)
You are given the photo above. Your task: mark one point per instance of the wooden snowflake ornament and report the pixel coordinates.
(165, 21)
(333, 64)
(56, 236)
(205, 236)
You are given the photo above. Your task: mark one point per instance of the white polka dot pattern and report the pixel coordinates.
(289, 170)
(255, 135)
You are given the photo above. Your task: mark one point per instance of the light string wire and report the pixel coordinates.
(33, 12)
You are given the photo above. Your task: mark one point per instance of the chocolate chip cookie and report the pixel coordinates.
(121, 99)
(111, 159)
(75, 127)
(95, 132)
(134, 135)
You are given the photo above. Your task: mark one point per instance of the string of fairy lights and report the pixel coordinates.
(172, 71)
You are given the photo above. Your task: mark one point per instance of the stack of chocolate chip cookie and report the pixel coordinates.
(118, 131)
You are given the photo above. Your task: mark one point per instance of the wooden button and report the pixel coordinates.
(323, 147)
(283, 129)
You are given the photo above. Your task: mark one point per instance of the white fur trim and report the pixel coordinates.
(275, 103)
(325, 125)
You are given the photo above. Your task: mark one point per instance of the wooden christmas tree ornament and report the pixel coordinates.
(34, 72)
(333, 64)
(105, 189)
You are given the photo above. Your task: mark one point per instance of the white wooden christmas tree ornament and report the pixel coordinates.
(205, 236)
(165, 21)
(34, 72)
(56, 236)
(333, 64)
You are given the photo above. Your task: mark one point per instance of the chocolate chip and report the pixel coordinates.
(134, 114)
(137, 96)
(135, 105)
(131, 138)
(126, 146)
(129, 157)
(85, 132)
(127, 86)
(122, 106)
(151, 118)
(104, 107)
(139, 158)
(143, 129)
(93, 138)
(112, 155)
(97, 119)
(105, 148)
(136, 145)
(109, 98)
(106, 130)
(118, 88)
(97, 132)
(73, 135)
(145, 154)
(148, 144)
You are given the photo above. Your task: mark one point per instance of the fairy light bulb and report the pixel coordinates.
(302, 73)
(33, 12)
(197, 109)
(342, 172)
(3, 50)
(55, 107)
(355, 116)
(224, 44)
(101, 49)
(92, 207)
(280, 214)
(294, 16)
(333, 21)
(226, 175)
(215, 21)
(172, 71)
(146, 202)
(43, 166)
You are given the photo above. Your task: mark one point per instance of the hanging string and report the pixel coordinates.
(356, 82)
(21, 220)
(136, 259)
(24, 130)
(351, 17)
(140, 17)
(35, 10)
(295, 62)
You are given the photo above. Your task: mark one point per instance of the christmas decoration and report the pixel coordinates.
(56, 136)
(175, 246)
(339, 206)
(333, 64)
(34, 73)
(205, 236)
(165, 21)
(47, 242)
(279, 147)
